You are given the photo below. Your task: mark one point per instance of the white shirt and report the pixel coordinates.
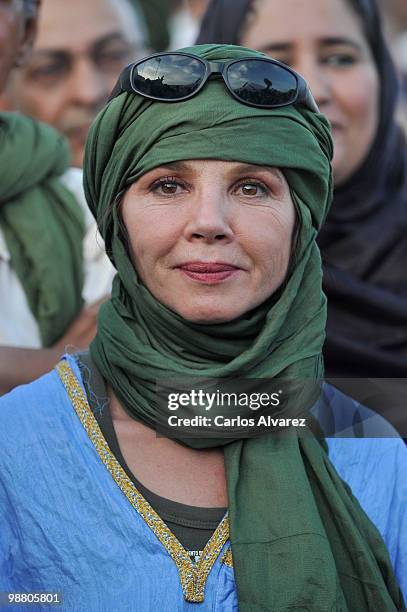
(18, 326)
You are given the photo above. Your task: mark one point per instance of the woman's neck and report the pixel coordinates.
(176, 472)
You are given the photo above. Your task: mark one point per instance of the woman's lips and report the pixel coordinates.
(208, 273)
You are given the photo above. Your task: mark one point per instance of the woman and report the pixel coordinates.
(212, 232)
(338, 46)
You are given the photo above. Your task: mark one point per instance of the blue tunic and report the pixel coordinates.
(72, 521)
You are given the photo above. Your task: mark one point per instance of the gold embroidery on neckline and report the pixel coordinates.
(227, 558)
(193, 577)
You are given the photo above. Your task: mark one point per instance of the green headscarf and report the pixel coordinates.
(299, 539)
(42, 222)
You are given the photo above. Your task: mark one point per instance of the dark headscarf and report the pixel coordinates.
(364, 241)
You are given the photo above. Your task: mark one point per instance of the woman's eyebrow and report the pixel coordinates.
(326, 41)
(332, 41)
(254, 169)
(279, 47)
(177, 166)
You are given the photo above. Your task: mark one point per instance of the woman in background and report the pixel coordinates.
(338, 46)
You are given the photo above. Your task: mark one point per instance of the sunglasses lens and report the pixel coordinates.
(261, 82)
(168, 77)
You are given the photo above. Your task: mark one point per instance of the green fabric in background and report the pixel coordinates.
(157, 14)
(300, 541)
(42, 222)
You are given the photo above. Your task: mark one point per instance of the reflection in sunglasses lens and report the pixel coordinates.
(170, 77)
(261, 82)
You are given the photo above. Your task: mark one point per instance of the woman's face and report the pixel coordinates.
(323, 41)
(210, 239)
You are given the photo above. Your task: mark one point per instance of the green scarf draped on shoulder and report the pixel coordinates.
(42, 222)
(299, 538)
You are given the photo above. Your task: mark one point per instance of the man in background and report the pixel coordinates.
(53, 273)
(80, 49)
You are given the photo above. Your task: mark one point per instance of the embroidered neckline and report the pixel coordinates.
(227, 558)
(193, 577)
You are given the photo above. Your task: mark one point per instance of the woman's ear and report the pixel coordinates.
(29, 32)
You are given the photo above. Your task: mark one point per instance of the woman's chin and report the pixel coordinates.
(208, 314)
(209, 318)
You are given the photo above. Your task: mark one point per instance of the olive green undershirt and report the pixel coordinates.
(193, 526)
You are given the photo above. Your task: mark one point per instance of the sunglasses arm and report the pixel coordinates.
(123, 83)
(310, 100)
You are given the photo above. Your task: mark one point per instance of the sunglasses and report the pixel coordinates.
(177, 76)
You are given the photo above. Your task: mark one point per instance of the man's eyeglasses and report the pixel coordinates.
(177, 76)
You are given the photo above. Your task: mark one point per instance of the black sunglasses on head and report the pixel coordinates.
(177, 76)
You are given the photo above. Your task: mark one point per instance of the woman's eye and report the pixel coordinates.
(167, 187)
(251, 189)
(341, 60)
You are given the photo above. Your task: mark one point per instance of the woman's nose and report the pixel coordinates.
(318, 80)
(209, 220)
